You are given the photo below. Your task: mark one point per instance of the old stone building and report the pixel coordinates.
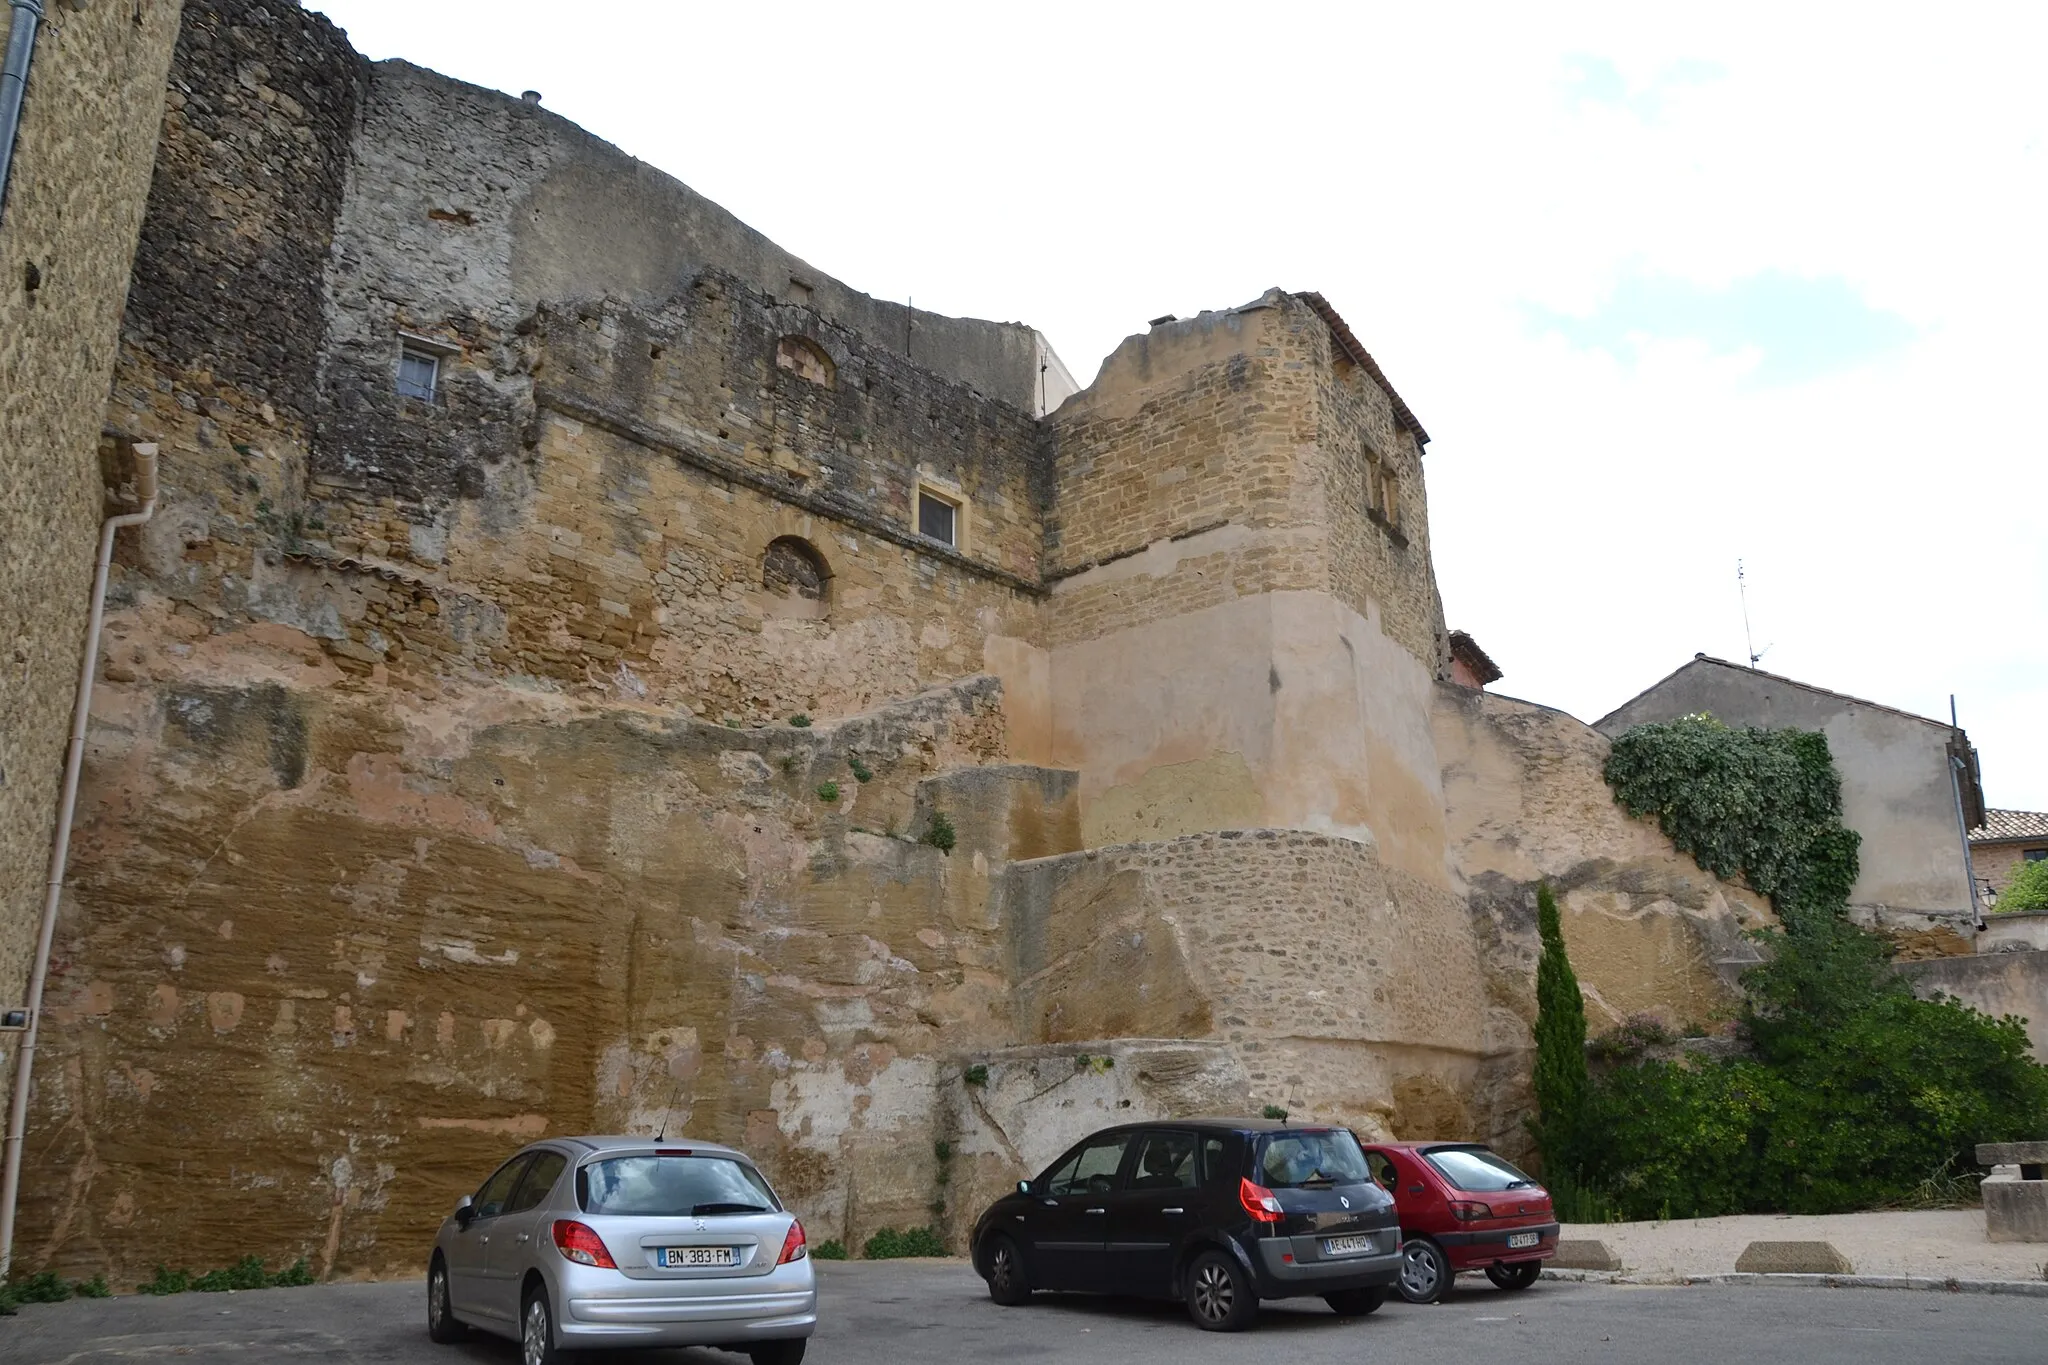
(590, 666)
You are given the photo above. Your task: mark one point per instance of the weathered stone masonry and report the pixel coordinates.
(555, 751)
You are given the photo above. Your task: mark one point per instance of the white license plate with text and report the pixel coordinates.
(673, 1257)
(1524, 1239)
(1348, 1246)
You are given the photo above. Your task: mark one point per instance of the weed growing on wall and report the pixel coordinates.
(1856, 1094)
(940, 833)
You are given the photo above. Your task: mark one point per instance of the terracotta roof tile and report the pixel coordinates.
(2003, 826)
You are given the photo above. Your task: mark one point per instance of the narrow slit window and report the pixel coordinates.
(937, 518)
(418, 373)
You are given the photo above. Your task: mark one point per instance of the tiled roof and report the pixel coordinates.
(2004, 826)
(1363, 358)
(1465, 648)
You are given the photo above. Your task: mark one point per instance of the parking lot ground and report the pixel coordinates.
(903, 1313)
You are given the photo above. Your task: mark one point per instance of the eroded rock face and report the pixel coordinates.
(1647, 928)
(330, 953)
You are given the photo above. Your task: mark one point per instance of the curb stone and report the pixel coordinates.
(2034, 1289)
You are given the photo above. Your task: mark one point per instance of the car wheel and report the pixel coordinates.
(442, 1324)
(1006, 1282)
(789, 1352)
(1520, 1275)
(537, 1331)
(1220, 1295)
(1356, 1303)
(1425, 1271)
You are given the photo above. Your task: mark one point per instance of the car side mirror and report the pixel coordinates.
(1023, 1187)
(465, 1209)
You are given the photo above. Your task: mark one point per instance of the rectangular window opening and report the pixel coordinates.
(2035, 855)
(418, 372)
(938, 518)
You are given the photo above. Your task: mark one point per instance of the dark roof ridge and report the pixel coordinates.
(1776, 677)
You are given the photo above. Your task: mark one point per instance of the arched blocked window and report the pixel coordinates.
(806, 359)
(794, 568)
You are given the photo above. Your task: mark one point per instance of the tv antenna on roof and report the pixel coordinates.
(1748, 640)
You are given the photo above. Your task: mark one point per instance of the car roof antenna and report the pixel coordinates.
(675, 1085)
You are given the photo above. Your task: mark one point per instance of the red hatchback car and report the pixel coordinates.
(1462, 1207)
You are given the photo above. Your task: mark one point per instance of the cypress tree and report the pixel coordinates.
(1560, 1043)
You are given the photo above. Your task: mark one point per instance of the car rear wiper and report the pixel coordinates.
(705, 1210)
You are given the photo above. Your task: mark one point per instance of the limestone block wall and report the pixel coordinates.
(2000, 983)
(73, 208)
(1525, 801)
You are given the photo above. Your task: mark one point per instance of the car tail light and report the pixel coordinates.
(1258, 1201)
(794, 1248)
(1465, 1211)
(580, 1243)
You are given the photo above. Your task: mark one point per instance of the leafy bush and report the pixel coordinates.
(833, 1250)
(2028, 889)
(828, 792)
(1856, 1090)
(1628, 1040)
(1274, 1112)
(166, 1282)
(800, 721)
(976, 1075)
(42, 1287)
(861, 771)
(94, 1288)
(939, 833)
(889, 1244)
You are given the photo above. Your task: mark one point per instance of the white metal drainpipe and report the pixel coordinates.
(60, 847)
(21, 51)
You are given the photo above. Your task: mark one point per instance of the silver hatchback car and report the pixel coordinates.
(584, 1242)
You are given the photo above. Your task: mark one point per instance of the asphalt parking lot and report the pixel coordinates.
(899, 1313)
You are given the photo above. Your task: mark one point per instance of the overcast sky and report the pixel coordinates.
(1669, 288)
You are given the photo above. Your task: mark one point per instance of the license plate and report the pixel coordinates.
(1524, 1239)
(688, 1256)
(1348, 1246)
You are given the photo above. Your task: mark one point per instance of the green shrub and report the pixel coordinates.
(1560, 1043)
(247, 1273)
(890, 1245)
(976, 1075)
(2028, 889)
(94, 1288)
(42, 1287)
(1274, 1112)
(828, 792)
(939, 832)
(833, 1250)
(1628, 1040)
(166, 1282)
(861, 771)
(800, 721)
(1857, 1094)
(296, 1274)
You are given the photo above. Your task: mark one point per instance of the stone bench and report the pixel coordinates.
(2016, 1192)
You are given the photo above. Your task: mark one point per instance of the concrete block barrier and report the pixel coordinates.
(1792, 1258)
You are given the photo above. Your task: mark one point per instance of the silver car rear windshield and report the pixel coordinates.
(1476, 1170)
(672, 1185)
(1310, 1159)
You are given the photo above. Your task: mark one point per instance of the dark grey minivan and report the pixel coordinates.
(1219, 1213)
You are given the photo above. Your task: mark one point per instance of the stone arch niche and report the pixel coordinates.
(795, 577)
(807, 360)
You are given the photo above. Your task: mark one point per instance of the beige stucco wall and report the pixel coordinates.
(1998, 983)
(80, 177)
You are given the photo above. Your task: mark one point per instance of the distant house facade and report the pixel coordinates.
(2006, 841)
(1909, 787)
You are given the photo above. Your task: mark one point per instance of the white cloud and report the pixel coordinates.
(1437, 172)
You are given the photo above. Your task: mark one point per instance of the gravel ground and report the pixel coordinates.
(1941, 1244)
